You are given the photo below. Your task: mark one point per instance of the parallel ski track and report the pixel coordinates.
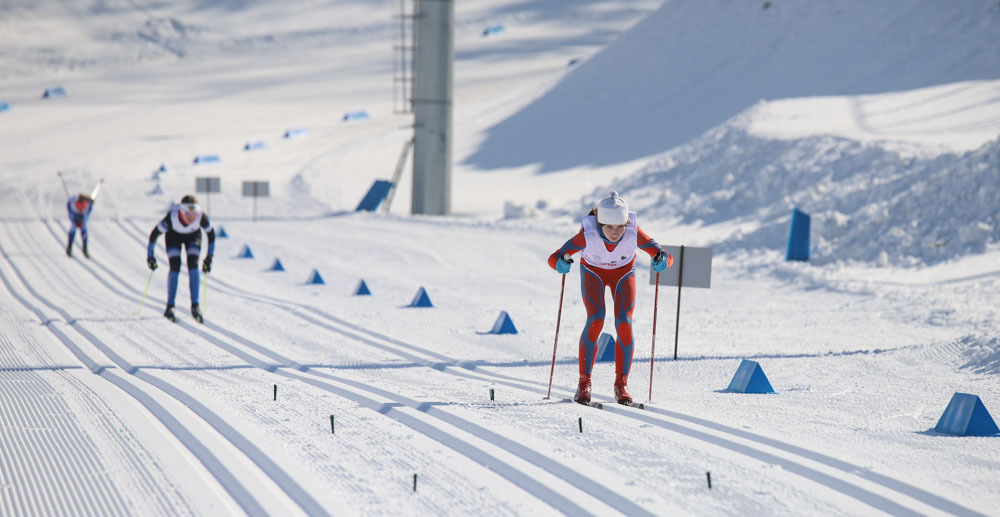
(850, 480)
(37, 415)
(243, 497)
(529, 469)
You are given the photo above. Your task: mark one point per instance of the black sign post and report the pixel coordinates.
(255, 189)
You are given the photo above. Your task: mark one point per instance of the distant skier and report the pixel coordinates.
(79, 209)
(608, 240)
(183, 226)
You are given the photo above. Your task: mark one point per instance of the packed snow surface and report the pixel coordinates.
(714, 119)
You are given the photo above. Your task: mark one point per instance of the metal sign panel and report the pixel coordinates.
(697, 267)
(208, 185)
(255, 189)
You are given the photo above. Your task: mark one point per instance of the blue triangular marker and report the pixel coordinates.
(966, 416)
(245, 252)
(362, 289)
(503, 324)
(421, 299)
(163, 168)
(605, 348)
(315, 278)
(222, 233)
(277, 265)
(750, 378)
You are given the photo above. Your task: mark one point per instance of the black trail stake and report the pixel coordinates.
(275, 392)
(332, 431)
(709, 476)
(414, 482)
(581, 424)
(491, 394)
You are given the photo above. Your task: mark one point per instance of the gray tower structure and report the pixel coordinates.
(433, 60)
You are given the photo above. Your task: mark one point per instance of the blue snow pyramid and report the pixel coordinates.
(798, 237)
(315, 278)
(256, 145)
(4, 106)
(207, 158)
(163, 168)
(245, 252)
(296, 133)
(52, 93)
(966, 416)
(157, 190)
(605, 348)
(503, 324)
(222, 233)
(362, 289)
(277, 265)
(421, 299)
(750, 378)
(493, 29)
(356, 115)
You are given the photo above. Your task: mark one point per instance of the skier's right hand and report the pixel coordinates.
(152, 262)
(562, 264)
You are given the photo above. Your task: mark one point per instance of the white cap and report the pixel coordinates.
(612, 210)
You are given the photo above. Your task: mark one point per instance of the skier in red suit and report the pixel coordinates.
(608, 239)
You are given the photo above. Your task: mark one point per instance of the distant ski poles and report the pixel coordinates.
(144, 291)
(63, 180)
(555, 343)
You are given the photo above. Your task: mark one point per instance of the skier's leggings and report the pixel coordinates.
(593, 281)
(194, 277)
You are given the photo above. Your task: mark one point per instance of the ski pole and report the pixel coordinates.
(97, 190)
(652, 348)
(556, 341)
(144, 291)
(65, 189)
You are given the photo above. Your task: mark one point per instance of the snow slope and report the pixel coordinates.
(297, 398)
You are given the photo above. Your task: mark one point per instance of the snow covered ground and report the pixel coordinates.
(712, 118)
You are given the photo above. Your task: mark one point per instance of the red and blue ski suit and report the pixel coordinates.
(79, 213)
(606, 264)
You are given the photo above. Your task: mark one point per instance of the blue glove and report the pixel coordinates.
(662, 261)
(562, 264)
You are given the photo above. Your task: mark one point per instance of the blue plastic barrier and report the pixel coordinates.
(315, 278)
(296, 133)
(750, 378)
(157, 190)
(356, 115)
(503, 324)
(375, 196)
(245, 252)
(277, 265)
(207, 158)
(966, 416)
(54, 92)
(256, 145)
(4, 106)
(421, 299)
(163, 168)
(798, 237)
(362, 289)
(222, 233)
(493, 29)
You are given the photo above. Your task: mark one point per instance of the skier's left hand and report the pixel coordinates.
(206, 265)
(662, 261)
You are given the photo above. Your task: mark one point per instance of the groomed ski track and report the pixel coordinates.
(532, 470)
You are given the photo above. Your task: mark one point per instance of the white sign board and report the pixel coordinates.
(697, 268)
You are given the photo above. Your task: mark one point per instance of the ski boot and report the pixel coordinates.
(69, 250)
(583, 391)
(621, 390)
(85, 254)
(169, 314)
(196, 313)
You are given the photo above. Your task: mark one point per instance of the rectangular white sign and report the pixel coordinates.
(697, 267)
